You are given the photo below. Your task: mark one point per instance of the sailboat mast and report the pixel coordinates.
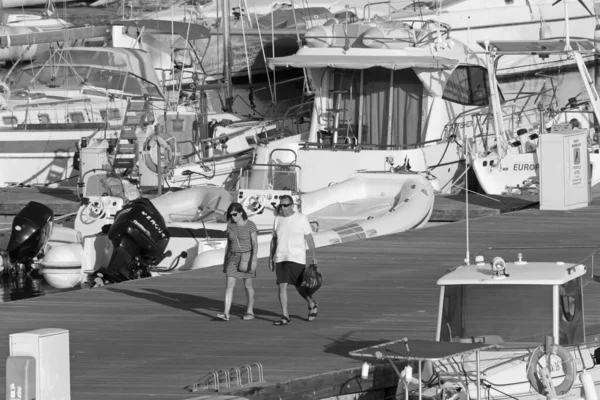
(227, 58)
(567, 33)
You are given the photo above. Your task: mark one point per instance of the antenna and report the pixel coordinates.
(467, 155)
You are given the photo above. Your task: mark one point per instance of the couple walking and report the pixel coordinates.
(291, 235)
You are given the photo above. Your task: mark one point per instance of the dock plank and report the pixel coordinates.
(150, 338)
(60, 200)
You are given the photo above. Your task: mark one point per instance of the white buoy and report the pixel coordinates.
(589, 387)
(365, 371)
(408, 373)
(62, 265)
(545, 31)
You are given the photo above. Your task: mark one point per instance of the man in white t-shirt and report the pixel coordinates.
(291, 235)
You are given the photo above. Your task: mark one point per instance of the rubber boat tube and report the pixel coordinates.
(365, 205)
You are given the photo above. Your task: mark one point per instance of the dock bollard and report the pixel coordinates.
(38, 365)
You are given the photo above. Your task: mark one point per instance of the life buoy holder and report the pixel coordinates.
(568, 367)
(168, 145)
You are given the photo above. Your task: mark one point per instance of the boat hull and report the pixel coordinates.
(518, 172)
(324, 167)
(30, 157)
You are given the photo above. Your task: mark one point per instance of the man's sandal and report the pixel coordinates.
(313, 312)
(283, 321)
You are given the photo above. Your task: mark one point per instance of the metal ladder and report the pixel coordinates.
(339, 109)
(229, 379)
(126, 147)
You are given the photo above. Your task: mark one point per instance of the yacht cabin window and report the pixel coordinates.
(76, 117)
(110, 114)
(383, 108)
(9, 121)
(468, 85)
(380, 106)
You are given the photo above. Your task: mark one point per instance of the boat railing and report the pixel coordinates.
(589, 258)
(356, 147)
(100, 182)
(275, 176)
(392, 7)
(80, 114)
(294, 118)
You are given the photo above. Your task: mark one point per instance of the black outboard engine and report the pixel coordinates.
(30, 232)
(139, 237)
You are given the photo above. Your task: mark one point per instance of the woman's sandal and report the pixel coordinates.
(313, 312)
(283, 321)
(222, 316)
(248, 317)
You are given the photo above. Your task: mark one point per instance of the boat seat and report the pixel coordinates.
(353, 210)
(489, 339)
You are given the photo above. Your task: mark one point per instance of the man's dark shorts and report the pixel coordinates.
(289, 272)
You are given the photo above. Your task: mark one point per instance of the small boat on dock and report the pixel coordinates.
(504, 330)
(366, 205)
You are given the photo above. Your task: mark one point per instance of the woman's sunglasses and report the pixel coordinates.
(286, 205)
(234, 214)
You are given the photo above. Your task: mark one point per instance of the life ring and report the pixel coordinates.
(168, 145)
(568, 366)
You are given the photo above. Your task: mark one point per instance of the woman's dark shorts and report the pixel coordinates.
(289, 272)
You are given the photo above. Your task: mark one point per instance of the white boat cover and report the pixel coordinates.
(362, 61)
(538, 46)
(183, 29)
(433, 71)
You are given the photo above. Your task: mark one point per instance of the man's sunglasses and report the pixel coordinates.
(286, 205)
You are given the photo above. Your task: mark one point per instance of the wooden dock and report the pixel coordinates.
(150, 338)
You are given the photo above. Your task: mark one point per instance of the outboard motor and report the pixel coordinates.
(30, 232)
(139, 237)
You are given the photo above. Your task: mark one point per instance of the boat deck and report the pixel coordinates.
(150, 338)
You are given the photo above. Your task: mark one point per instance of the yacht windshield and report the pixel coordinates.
(511, 313)
(468, 85)
(61, 77)
(72, 78)
(417, 5)
(269, 177)
(104, 184)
